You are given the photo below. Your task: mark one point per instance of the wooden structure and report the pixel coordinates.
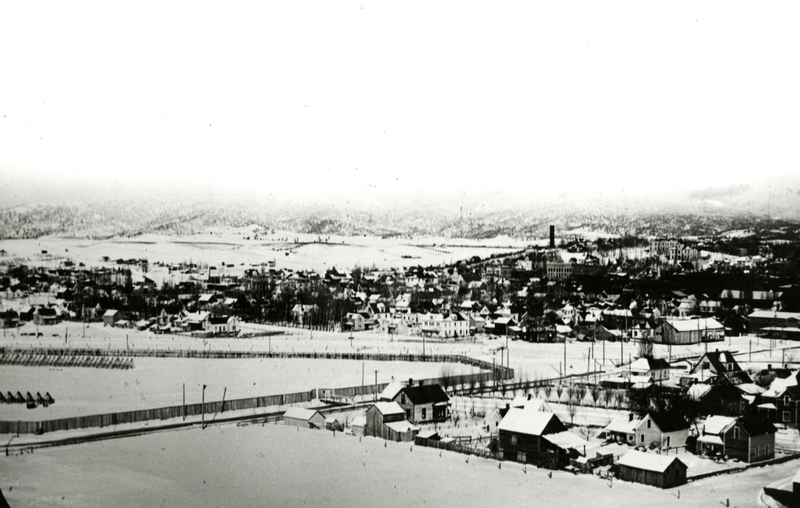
(304, 418)
(747, 438)
(661, 471)
(423, 403)
(387, 420)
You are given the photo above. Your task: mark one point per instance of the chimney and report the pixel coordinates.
(420, 382)
(769, 366)
(552, 236)
(529, 396)
(508, 405)
(410, 382)
(630, 417)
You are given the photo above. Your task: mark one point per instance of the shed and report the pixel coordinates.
(661, 471)
(333, 422)
(304, 417)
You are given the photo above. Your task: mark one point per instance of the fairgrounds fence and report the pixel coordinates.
(455, 446)
(111, 419)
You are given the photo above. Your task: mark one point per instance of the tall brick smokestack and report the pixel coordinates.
(552, 236)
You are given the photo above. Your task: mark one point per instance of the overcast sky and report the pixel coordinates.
(304, 97)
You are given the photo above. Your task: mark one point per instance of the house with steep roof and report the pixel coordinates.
(622, 430)
(662, 430)
(747, 438)
(717, 399)
(657, 369)
(720, 367)
(663, 471)
(423, 403)
(780, 403)
(522, 437)
(387, 420)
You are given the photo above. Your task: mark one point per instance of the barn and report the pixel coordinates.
(679, 332)
(661, 471)
(304, 418)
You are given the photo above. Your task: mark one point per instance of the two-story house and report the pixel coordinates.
(747, 438)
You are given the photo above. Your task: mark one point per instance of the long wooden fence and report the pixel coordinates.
(163, 413)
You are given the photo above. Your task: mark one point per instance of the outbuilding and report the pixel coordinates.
(304, 418)
(663, 471)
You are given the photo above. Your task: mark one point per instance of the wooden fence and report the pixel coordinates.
(502, 372)
(455, 446)
(110, 419)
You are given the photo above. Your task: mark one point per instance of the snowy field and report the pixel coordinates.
(158, 382)
(528, 359)
(276, 465)
(289, 250)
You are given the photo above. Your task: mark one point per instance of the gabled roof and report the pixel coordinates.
(717, 424)
(755, 425)
(389, 408)
(526, 422)
(649, 363)
(648, 461)
(426, 394)
(110, 313)
(668, 422)
(391, 391)
(300, 413)
(623, 424)
(692, 325)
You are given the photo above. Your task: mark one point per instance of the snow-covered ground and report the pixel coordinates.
(229, 246)
(158, 382)
(277, 465)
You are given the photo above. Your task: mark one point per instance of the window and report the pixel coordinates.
(649, 424)
(766, 450)
(521, 457)
(736, 433)
(402, 398)
(756, 455)
(785, 400)
(641, 438)
(667, 441)
(786, 416)
(423, 413)
(513, 439)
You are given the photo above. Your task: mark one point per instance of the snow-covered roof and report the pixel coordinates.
(778, 385)
(391, 391)
(690, 325)
(623, 424)
(389, 408)
(750, 388)
(648, 461)
(566, 440)
(359, 421)
(710, 439)
(768, 405)
(697, 390)
(401, 426)
(717, 424)
(525, 422)
(300, 413)
(537, 405)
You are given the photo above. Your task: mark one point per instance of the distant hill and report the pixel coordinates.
(699, 212)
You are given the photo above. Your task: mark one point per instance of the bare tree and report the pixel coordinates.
(572, 408)
(608, 396)
(586, 433)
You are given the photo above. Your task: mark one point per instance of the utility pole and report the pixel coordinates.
(203, 418)
(564, 374)
(362, 374)
(184, 401)
(376, 386)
